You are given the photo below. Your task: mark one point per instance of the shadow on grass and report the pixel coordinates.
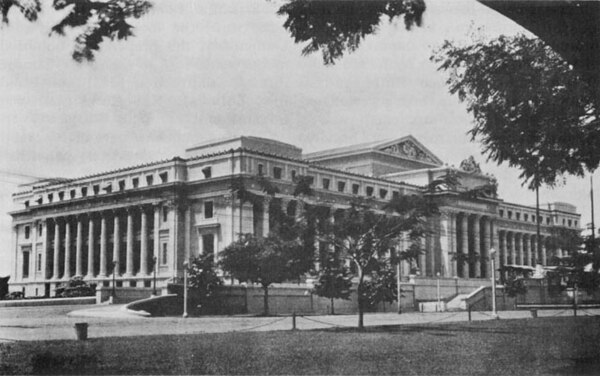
(434, 329)
(581, 366)
(48, 363)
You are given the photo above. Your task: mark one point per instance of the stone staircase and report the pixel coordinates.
(458, 303)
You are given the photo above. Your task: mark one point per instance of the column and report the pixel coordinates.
(129, 260)
(55, 269)
(534, 254)
(156, 230)
(15, 247)
(79, 248)
(116, 266)
(503, 246)
(103, 257)
(453, 244)
(90, 265)
(487, 244)
(444, 234)
(266, 203)
(476, 246)
(188, 233)
(143, 243)
(423, 258)
(465, 244)
(67, 273)
(524, 250)
(544, 259)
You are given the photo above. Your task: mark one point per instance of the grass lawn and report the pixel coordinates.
(565, 345)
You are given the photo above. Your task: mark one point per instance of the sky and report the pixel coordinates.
(203, 70)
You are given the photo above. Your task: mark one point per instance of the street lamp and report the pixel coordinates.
(493, 263)
(398, 279)
(185, 289)
(439, 307)
(154, 280)
(114, 271)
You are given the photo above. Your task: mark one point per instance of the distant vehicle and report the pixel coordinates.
(15, 295)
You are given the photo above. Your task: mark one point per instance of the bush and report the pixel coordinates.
(75, 287)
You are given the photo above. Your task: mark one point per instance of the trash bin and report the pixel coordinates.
(81, 329)
(534, 313)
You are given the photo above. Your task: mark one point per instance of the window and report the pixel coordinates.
(341, 186)
(575, 223)
(26, 204)
(509, 214)
(261, 169)
(395, 194)
(525, 217)
(208, 209)
(547, 220)
(135, 182)
(207, 171)
(164, 177)
(518, 215)
(121, 185)
(72, 193)
(369, 191)
(293, 175)
(570, 223)
(165, 254)
(40, 229)
(108, 188)
(533, 218)
(165, 213)
(325, 183)
(61, 196)
(25, 264)
(83, 191)
(355, 189)
(383, 193)
(96, 189)
(39, 262)
(149, 180)
(501, 213)
(27, 231)
(277, 172)
(50, 197)
(208, 243)
(563, 221)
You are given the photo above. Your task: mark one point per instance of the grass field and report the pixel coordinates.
(507, 347)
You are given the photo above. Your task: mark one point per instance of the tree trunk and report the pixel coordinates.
(266, 301)
(361, 313)
(332, 311)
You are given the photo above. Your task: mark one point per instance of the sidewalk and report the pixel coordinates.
(114, 321)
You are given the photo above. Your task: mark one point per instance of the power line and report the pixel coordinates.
(10, 173)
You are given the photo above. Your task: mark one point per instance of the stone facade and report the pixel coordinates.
(130, 223)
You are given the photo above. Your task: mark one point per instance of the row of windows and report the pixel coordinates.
(341, 187)
(509, 215)
(97, 188)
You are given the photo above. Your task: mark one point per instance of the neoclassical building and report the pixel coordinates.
(129, 223)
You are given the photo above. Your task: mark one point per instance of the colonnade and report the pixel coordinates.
(521, 248)
(95, 245)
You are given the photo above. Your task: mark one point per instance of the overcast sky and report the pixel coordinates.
(203, 70)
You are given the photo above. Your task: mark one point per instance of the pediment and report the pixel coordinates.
(410, 148)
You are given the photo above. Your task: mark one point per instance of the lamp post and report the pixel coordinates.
(493, 263)
(154, 279)
(114, 272)
(185, 289)
(439, 307)
(398, 279)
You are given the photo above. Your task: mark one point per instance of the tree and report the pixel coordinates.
(335, 280)
(335, 27)
(264, 260)
(203, 278)
(366, 237)
(531, 109)
(97, 19)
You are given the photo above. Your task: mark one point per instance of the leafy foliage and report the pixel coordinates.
(264, 260)
(335, 280)
(514, 285)
(98, 19)
(381, 286)
(75, 287)
(334, 26)
(531, 109)
(203, 277)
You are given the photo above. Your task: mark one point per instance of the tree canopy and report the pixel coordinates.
(531, 109)
(96, 19)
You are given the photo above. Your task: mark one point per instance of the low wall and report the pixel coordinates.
(47, 302)
(425, 289)
(123, 294)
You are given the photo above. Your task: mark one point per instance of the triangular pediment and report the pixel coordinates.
(409, 148)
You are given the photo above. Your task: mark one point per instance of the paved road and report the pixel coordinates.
(49, 323)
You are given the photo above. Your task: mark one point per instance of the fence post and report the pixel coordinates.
(469, 310)
(294, 320)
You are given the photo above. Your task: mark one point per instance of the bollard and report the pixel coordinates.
(534, 313)
(81, 330)
(294, 321)
(469, 314)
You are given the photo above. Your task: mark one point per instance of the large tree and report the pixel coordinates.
(334, 279)
(531, 109)
(264, 260)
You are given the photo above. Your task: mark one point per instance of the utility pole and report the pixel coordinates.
(593, 238)
(537, 224)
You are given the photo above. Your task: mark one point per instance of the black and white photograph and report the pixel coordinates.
(299, 187)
